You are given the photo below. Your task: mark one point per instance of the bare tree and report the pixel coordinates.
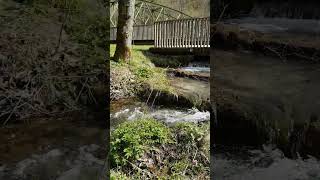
(124, 30)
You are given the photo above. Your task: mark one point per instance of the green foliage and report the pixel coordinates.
(143, 72)
(131, 139)
(190, 133)
(175, 150)
(118, 175)
(180, 166)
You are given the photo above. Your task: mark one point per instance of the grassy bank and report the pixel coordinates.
(144, 70)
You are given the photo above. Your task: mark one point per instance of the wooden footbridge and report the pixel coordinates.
(146, 14)
(169, 30)
(184, 36)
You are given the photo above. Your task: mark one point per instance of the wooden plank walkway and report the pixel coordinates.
(183, 33)
(184, 36)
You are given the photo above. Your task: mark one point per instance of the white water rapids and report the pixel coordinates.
(165, 115)
(266, 164)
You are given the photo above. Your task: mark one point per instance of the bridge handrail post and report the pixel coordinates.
(155, 35)
(201, 32)
(182, 33)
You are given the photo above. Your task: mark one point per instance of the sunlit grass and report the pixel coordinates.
(141, 65)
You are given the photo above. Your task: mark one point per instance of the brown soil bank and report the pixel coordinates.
(262, 99)
(189, 93)
(202, 76)
(282, 38)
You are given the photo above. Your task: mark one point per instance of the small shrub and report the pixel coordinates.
(143, 72)
(131, 139)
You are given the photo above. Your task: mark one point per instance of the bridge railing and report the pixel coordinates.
(183, 33)
(141, 32)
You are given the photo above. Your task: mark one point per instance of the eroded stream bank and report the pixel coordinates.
(276, 98)
(264, 100)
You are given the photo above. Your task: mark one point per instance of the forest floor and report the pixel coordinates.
(48, 75)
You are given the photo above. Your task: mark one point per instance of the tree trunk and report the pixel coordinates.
(124, 30)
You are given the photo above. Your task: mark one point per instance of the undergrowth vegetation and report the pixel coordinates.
(144, 70)
(130, 140)
(52, 58)
(149, 149)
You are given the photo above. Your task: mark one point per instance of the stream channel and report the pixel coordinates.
(131, 109)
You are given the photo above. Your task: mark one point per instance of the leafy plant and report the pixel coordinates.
(131, 139)
(118, 175)
(144, 72)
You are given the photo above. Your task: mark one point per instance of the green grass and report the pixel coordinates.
(143, 67)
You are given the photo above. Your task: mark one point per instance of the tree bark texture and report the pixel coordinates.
(124, 30)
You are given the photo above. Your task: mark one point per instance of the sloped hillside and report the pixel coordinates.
(46, 65)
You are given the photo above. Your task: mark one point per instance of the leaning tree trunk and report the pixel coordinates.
(124, 30)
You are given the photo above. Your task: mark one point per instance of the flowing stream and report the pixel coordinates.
(131, 109)
(162, 114)
(267, 163)
(71, 147)
(135, 109)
